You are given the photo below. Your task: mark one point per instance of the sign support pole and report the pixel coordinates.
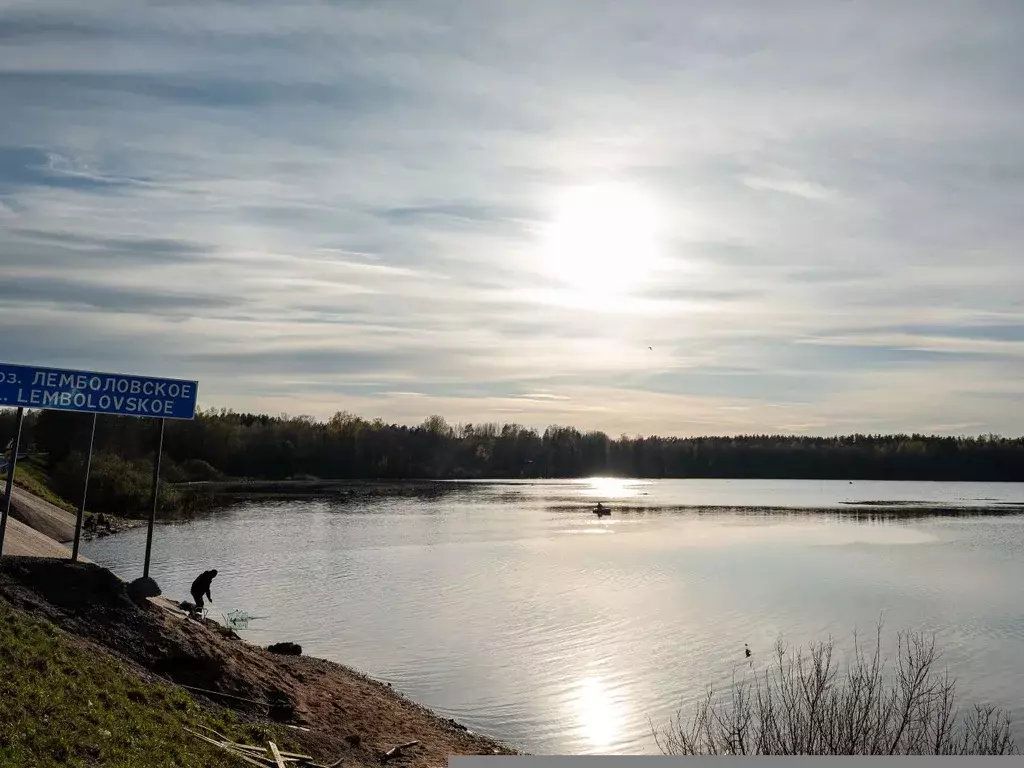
(11, 466)
(85, 491)
(153, 497)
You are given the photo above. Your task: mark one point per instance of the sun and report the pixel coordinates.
(602, 239)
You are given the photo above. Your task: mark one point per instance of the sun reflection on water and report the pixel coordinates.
(610, 487)
(599, 714)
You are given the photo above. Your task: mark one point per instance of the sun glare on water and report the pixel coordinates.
(600, 715)
(602, 239)
(609, 487)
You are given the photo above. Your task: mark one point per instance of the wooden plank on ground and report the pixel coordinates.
(277, 755)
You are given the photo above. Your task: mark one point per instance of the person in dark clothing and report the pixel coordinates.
(200, 587)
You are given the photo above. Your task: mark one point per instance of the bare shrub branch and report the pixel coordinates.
(806, 703)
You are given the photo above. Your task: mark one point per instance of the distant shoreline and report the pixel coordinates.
(347, 491)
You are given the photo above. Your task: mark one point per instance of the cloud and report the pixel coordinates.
(796, 187)
(311, 207)
(28, 166)
(38, 246)
(71, 294)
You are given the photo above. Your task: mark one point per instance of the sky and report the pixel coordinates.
(675, 218)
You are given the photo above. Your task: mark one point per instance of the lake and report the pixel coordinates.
(511, 608)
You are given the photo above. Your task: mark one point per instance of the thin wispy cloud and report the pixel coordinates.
(803, 217)
(796, 187)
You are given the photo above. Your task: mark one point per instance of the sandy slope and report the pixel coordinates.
(22, 541)
(36, 527)
(43, 516)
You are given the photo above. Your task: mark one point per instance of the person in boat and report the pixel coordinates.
(200, 587)
(600, 509)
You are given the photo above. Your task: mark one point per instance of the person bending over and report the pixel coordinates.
(200, 587)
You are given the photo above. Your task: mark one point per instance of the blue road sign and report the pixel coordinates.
(26, 386)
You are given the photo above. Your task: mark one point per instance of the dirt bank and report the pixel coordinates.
(345, 713)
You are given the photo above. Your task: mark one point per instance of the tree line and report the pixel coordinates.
(223, 443)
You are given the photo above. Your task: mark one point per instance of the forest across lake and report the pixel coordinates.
(222, 444)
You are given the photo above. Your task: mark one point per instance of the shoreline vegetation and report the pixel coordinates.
(807, 702)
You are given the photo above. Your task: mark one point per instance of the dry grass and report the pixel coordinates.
(807, 703)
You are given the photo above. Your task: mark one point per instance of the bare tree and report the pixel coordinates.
(805, 703)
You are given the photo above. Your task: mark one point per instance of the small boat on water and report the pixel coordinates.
(601, 511)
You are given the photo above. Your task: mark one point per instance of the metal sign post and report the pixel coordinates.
(85, 492)
(58, 389)
(153, 497)
(11, 466)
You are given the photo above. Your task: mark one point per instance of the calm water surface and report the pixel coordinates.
(511, 608)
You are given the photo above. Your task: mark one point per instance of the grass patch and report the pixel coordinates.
(61, 704)
(34, 479)
(32, 476)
